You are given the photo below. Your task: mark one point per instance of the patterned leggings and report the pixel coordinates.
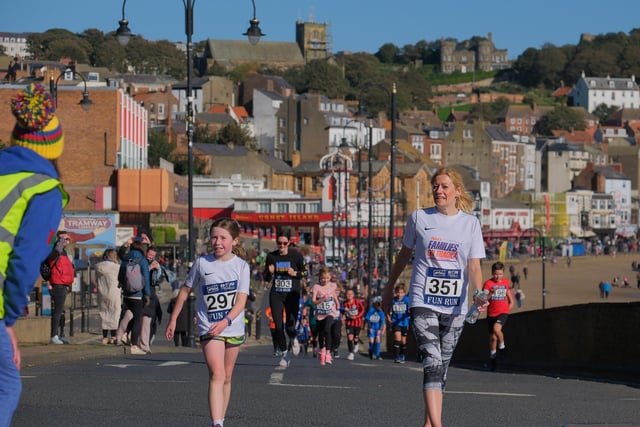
(436, 336)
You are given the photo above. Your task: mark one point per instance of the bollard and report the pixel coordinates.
(258, 325)
(191, 340)
(71, 322)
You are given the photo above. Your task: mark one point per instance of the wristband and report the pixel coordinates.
(476, 292)
(228, 320)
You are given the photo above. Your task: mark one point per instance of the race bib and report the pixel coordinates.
(219, 299)
(443, 287)
(399, 308)
(499, 293)
(374, 318)
(283, 285)
(351, 313)
(324, 307)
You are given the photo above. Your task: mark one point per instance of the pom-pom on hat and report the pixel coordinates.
(37, 126)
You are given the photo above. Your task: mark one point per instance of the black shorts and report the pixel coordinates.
(501, 318)
(404, 330)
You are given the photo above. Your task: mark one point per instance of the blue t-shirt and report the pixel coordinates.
(400, 311)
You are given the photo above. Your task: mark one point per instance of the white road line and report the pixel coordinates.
(121, 366)
(174, 363)
(316, 386)
(277, 377)
(490, 393)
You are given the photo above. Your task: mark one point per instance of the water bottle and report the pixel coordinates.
(473, 314)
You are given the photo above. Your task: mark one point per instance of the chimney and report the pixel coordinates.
(295, 159)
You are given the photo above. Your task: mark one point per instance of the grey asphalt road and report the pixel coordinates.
(170, 389)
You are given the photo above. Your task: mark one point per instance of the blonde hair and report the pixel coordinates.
(232, 226)
(465, 201)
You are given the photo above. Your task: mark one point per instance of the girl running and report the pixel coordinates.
(324, 296)
(353, 319)
(220, 282)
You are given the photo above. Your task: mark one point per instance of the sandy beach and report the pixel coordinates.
(577, 284)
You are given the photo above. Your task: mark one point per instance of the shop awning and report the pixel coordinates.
(579, 232)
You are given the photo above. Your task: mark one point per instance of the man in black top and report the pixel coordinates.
(284, 268)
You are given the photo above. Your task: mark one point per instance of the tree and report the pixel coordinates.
(159, 147)
(603, 111)
(388, 53)
(236, 134)
(560, 118)
(58, 43)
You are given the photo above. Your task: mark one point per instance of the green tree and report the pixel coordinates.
(560, 118)
(603, 111)
(236, 134)
(319, 75)
(54, 44)
(159, 147)
(181, 165)
(388, 53)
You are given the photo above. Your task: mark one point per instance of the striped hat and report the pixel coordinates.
(37, 127)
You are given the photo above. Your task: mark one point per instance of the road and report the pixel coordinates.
(169, 388)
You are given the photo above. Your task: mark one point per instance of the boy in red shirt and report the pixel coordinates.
(500, 303)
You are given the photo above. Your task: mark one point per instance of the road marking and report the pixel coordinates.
(277, 377)
(121, 366)
(489, 393)
(174, 363)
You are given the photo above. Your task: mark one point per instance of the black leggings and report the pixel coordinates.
(58, 297)
(290, 302)
(136, 306)
(325, 338)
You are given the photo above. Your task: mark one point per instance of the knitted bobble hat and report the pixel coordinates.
(37, 126)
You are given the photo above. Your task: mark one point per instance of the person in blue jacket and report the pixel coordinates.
(376, 326)
(399, 319)
(135, 301)
(31, 203)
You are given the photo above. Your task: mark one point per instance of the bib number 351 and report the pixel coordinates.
(443, 286)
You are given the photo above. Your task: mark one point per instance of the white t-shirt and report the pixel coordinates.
(443, 245)
(216, 284)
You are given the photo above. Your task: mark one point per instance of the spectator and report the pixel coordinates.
(109, 294)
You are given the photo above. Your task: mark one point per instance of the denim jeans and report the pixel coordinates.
(10, 384)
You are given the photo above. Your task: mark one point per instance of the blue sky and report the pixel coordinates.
(354, 25)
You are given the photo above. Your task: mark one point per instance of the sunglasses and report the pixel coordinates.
(283, 243)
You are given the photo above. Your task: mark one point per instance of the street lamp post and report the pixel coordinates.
(53, 88)
(393, 181)
(123, 33)
(370, 219)
(392, 160)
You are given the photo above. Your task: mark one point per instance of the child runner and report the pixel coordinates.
(353, 319)
(313, 325)
(325, 297)
(399, 319)
(375, 320)
(304, 334)
(220, 281)
(500, 303)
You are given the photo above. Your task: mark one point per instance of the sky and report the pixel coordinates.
(355, 26)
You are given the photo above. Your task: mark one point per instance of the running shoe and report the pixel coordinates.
(284, 362)
(137, 350)
(328, 359)
(335, 354)
(56, 340)
(351, 356)
(402, 359)
(355, 348)
(295, 348)
(322, 355)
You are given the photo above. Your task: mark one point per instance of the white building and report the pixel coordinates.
(590, 92)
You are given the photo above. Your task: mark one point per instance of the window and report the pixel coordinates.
(282, 122)
(299, 181)
(314, 207)
(300, 208)
(435, 150)
(264, 207)
(282, 208)
(160, 108)
(314, 184)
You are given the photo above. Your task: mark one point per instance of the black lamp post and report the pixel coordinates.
(392, 95)
(53, 88)
(253, 33)
(544, 259)
(370, 255)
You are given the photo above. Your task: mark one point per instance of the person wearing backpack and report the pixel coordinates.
(60, 281)
(136, 290)
(32, 199)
